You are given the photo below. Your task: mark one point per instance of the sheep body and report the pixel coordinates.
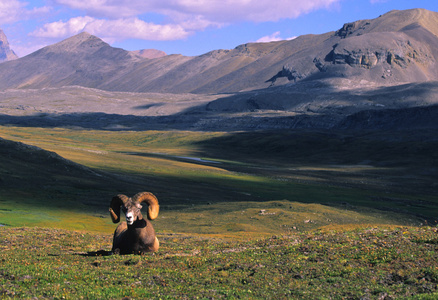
(136, 235)
(135, 239)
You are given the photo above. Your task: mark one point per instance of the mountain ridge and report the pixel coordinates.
(367, 70)
(397, 47)
(149, 53)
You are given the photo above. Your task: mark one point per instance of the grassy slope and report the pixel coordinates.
(217, 218)
(340, 263)
(134, 161)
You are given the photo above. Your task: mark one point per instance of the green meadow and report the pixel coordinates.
(282, 214)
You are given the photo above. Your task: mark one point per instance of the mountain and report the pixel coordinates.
(83, 60)
(150, 53)
(397, 47)
(6, 52)
(368, 75)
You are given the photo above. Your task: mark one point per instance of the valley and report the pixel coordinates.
(311, 161)
(319, 223)
(356, 175)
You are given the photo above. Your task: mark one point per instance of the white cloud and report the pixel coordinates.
(270, 38)
(261, 10)
(13, 10)
(215, 11)
(273, 38)
(111, 30)
(62, 29)
(116, 20)
(110, 8)
(10, 11)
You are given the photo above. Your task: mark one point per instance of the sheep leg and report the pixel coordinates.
(119, 236)
(155, 246)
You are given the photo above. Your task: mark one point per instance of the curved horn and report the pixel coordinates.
(152, 202)
(114, 209)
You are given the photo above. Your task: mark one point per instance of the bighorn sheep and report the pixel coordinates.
(136, 235)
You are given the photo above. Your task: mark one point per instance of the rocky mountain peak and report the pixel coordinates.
(393, 21)
(82, 42)
(6, 52)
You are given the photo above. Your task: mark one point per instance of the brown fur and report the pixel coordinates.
(139, 237)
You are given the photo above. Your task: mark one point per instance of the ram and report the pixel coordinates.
(136, 235)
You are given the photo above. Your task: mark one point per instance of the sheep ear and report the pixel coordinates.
(139, 206)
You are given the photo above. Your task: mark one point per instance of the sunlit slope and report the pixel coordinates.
(200, 191)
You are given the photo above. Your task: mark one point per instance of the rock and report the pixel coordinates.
(354, 28)
(355, 57)
(6, 52)
(291, 73)
(379, 48)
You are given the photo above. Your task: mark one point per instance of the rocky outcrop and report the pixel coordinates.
(6, 52)
(355, 28)
(291, 73)
(367, 55)
(356, 57)
(395, 48)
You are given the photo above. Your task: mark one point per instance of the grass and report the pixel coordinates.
(127, 162)
(327, 216)
(333, 263)
(307, 167)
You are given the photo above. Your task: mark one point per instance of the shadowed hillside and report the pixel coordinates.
(26, 167)
(314, 105)
(45, 180)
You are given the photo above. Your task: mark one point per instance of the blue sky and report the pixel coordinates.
(188, 27)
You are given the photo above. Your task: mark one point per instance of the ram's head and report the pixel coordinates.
(131, 207)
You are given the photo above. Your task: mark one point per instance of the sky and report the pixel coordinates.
(188, 27)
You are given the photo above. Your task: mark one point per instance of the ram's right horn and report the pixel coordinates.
(151, 200)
